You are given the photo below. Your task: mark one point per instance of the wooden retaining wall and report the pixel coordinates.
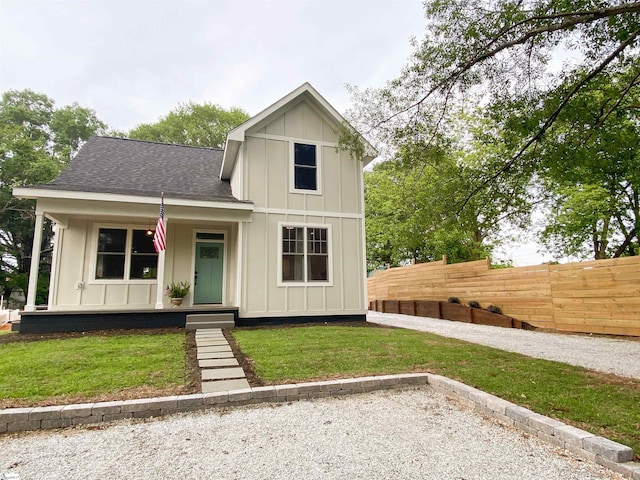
(448, 311)
(600, 296)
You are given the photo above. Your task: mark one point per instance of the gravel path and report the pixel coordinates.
(605, 354)
(394, 434)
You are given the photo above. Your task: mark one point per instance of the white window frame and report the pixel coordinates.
(292, 168)
(307, 283)
(127, 256)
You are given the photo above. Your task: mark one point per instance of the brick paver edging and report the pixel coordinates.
(612, 455)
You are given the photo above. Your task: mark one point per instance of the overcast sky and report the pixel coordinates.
(133, 61)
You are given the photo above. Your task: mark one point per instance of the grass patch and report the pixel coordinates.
(602, 404)
(93, 367)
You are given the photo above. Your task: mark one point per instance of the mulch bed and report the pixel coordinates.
(245, 362)
(35, 337)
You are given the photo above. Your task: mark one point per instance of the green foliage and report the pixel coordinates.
(417, 208)
(350, 140)
(604, 405)
(591, 169)
(178, 290)
(71, 126)
(81, 368)
(197, 125)
(545, 137)
(36, 142)
(501, 264)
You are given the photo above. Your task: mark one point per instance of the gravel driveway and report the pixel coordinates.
(605, 354)
(410, 434)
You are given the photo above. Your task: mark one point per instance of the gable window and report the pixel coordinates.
(305, 254)
(306, 168)
(125, 254)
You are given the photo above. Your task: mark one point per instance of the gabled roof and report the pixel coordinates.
(141, 168)
(236, 136)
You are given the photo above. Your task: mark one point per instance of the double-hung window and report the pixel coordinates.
(306, 168)
(125, 254)
(305, 254)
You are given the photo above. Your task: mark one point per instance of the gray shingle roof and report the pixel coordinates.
(136, 167)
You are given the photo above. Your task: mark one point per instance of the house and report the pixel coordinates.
(269, 229)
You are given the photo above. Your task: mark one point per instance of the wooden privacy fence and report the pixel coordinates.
(600, 296)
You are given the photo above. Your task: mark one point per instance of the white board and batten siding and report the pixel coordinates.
(263, 174)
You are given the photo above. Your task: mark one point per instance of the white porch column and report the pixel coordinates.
(160, 275)
(240, 272)
(35, 265)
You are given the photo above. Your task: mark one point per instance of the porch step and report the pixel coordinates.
(210, 320)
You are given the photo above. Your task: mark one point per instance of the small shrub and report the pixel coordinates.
(474, 304)
(502, 264)
(177, 290)
(494, 309)
(453, 300)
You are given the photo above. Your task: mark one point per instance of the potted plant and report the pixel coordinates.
(177, 291)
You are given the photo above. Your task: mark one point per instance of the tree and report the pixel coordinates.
(411, 203)
(569, 135)
(500, 50)
(590, 166)
(198, 125)
(36, 142)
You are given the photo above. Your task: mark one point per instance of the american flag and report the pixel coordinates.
(160, 237)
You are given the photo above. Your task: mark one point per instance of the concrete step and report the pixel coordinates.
(197, 321)
(227, 373)
(224, 385)
(218, 362)
(214, 355)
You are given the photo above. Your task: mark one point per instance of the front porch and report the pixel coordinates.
(104, 260)
(82, 321)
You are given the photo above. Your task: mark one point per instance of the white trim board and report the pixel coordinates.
(308, 213)
(35, 193)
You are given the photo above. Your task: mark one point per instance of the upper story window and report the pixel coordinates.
(306, 168)
(125, 254)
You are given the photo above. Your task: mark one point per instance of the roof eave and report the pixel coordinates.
(231, 149)
(34, 193)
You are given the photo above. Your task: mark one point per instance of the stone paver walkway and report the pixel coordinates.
(220, 370)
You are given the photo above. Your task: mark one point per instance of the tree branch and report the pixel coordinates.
(627, 240)
(582, 17)
(575, 18)
(552, 118)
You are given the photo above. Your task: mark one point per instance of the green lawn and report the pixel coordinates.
(72, 369)
(602, 404)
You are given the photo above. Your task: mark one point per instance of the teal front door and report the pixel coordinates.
(209, 271)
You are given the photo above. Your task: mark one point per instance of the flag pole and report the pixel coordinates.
(162, 241)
